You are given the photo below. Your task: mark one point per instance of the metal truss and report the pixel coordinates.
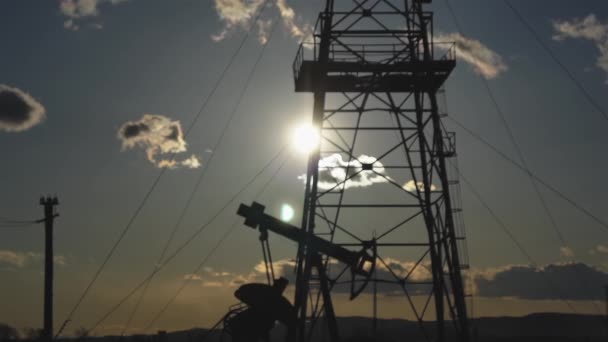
(379, 179)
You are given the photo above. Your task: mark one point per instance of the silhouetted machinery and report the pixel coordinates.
(262, 305)
(376, 75)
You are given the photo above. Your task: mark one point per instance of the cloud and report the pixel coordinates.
(238, 14)
(222, 279)
(23, 259)
(484, 61)
(60, 260)
(19, 111)
(12, 258)
(264, 27)
(333, 171)
(588, 28)
(300, 31)
(158, 135)
(602, 249)
(191, 276)
(75, 10)
(566, 251)
(410, 186)
(560, 281)
(568, 281)
(285, 268)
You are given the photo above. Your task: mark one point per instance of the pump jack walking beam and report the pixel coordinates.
(361, 263)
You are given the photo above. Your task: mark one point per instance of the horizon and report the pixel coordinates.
(151, 121)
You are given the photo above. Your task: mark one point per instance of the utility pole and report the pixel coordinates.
(49, 204)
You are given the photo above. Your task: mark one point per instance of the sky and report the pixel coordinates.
(98, 97)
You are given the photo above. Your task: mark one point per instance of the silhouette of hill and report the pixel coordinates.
(540, 327)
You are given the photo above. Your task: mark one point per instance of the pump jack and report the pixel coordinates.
(257, 296)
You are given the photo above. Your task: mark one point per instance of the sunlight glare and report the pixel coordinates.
(287, 212)
(305, 138)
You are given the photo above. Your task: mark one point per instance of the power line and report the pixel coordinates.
(514, 142)
(17, 225)
(553, 189)
(524, 164)
(563, 67)
(162, 172)
(204, 172)
(504, 228)
(212, 251)
(188, 241)
(504, 156)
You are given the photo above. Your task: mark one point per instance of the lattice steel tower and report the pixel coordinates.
(379, 183)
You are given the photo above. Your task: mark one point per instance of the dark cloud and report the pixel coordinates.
(572, 281)
(175, 133)
(133, 130)
(18, 110)
(159, 136)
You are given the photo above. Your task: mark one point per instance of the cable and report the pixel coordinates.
(16, 225)
(188, 241)
(568, 73)
(524, 164)
(504, 228)
(518, 150)
(215, 148)
(217, 245)
(161, 173)
(8, 223)
(504, 156)
(5, 219)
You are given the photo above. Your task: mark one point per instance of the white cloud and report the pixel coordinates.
(60, 260)
(81, 9)
(23, 259)
(264, 27)
(566, 251)
(588, 28)
(192, 163)
(70, 25)
(191, 276)
(486, 62)
(159, 136)
(13, 258)
(603, 249)
(410, 186)
(421, 272)
(289, 21)
(19, 111)
(569, 281)
(333, 170)
(237, 14)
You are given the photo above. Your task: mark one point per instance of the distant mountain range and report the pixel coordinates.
(541, 327)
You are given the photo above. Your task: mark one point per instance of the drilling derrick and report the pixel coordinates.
(378, 183)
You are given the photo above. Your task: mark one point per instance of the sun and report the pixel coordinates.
(287, 212)
(305, 138)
